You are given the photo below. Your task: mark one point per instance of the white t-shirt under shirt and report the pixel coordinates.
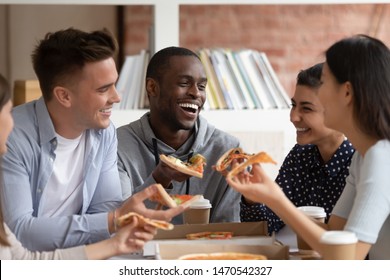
(63, 193)
(365, 201)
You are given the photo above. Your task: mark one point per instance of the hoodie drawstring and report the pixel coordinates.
(188, 180)
(155, 150)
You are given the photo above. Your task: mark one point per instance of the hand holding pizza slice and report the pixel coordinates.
(128, 218)
(225, 161)
(194, 166)
(261, 157)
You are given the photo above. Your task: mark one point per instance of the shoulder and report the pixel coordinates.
(215, 132)
(24, 114)
(129, 135)
(106, 135)
(345, 149)
(301, 151)
(125, 130)
(379, 152)
(225, 135)
(225, 139)
(26, 127)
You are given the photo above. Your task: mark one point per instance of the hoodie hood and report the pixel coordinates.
(196, 142)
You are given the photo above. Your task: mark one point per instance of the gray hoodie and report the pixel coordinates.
(138, 150)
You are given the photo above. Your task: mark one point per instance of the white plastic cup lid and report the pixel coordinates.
(201, 203)
(313, 211)
(338, 237)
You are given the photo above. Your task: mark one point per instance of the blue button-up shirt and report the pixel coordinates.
(306, 180)
(27, 167)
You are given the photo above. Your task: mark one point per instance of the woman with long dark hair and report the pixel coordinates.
(355, 93)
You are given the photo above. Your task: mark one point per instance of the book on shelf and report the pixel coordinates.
(237, 75)
(227, 80)
(256, 79)
(131, 82)
(237, 80)
(247, 82)
(123, 83)
(220, 79)
(143, 101)
(213, 90)
(274, 79)
(277, 101)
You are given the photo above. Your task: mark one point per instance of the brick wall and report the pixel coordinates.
(293, 36)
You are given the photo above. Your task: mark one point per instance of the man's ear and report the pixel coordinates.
(62, 95)
(152, 87)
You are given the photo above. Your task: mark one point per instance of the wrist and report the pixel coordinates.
(112, 224)
(160, 178)
(115, 225)
(278, 198)
(247, 201)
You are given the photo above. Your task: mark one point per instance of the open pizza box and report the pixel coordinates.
(257, 229)
(245, 234)
(175, 251)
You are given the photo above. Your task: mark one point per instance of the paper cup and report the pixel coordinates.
(315, 212)
(198, 212)
(338, 245)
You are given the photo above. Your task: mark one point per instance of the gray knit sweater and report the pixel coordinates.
(137, 160)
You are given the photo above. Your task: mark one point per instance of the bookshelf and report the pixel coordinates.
(268, 130)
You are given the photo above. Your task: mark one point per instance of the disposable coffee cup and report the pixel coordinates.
(338, 245)
(198, 212)
(315, 212)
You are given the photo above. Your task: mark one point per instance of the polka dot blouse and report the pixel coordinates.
(305, 180)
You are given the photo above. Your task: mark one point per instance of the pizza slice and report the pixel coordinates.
(226, 159)
(128, 218)
(185, 199)
(163, 198)
(172, 200)
(260, 157)
(210, 235)
(194, 166)
(223, 256)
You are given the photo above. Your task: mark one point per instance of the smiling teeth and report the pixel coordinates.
(301, 129)
(189, 105)
(108, 110)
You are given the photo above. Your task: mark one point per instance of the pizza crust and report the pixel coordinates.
(164, 198)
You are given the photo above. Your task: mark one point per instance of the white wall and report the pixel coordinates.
(3, 40)
(27, 24)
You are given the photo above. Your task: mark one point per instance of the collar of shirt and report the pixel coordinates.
(335, 164)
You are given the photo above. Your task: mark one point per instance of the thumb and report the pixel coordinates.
(257, 170)
(130, 226)
(144, 194)
(135, 222)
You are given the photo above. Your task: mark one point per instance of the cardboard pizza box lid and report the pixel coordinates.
(246, 233)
